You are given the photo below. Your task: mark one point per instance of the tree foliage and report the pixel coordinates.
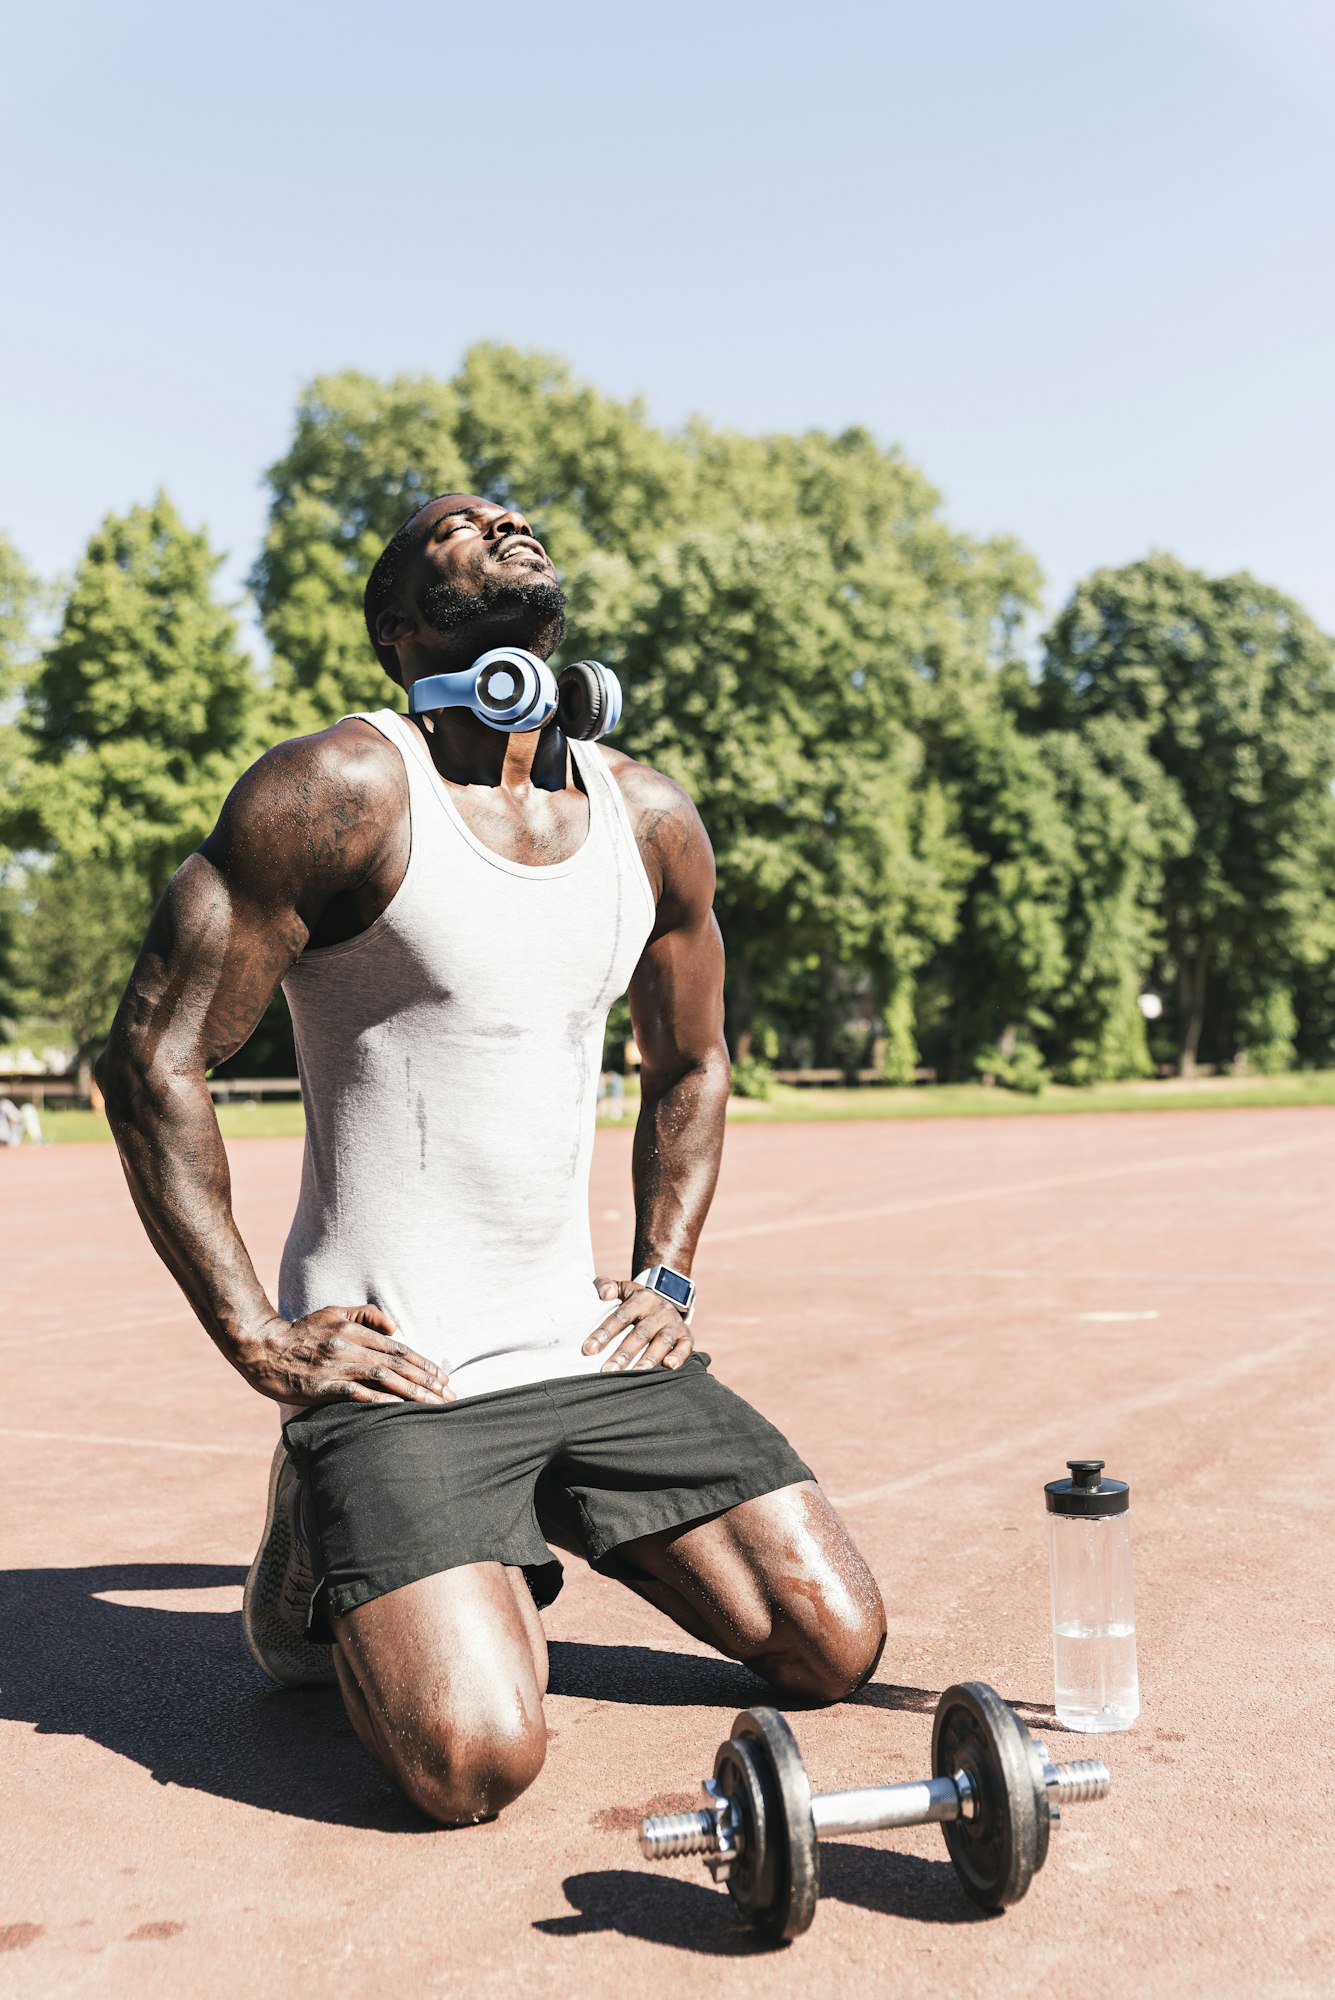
(144, 705)
(138, 718)
(1231, 689)
(927, 852)
(20, 596)
(785, 610)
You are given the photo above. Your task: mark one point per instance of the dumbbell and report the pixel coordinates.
(993, 1792)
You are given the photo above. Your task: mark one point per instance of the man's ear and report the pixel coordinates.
(391, 626)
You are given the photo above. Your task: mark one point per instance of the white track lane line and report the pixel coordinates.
(37, 1336)
(1096, 1414)
(139, 1444)
(1115, 1318)
(994, 1190)
(1060, 1276)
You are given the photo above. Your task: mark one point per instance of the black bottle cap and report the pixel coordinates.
(1087, 1491)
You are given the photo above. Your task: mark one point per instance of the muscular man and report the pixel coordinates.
(451, 912)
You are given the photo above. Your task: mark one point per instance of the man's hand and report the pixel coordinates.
(654, 1330)
(341, 1354)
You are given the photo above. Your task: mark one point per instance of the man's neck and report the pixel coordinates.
(467, 751)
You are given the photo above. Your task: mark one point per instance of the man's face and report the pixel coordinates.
(479, 563)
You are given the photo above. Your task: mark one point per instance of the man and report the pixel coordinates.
(452, 911)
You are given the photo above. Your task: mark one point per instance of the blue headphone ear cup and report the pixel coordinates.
(590, 700)
(513, 690)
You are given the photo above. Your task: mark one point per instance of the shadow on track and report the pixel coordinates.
(690, 1917)
(178, 1692)
(648, 1677)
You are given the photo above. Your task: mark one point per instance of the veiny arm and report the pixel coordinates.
(311, 829)
(676, 1007)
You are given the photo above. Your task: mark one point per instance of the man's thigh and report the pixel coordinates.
(443, 1680)
(777, 1582)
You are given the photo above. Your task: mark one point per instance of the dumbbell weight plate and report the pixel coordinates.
(775, 1880)
(996, 1852)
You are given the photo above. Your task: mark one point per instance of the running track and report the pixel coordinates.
(939, 1314)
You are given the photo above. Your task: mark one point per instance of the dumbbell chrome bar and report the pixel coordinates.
(871, 1809)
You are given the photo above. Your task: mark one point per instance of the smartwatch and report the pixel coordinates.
(670, 1285)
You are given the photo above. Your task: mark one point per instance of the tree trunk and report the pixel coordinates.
(1192, 978)
(828, 1015)
(739, 1009)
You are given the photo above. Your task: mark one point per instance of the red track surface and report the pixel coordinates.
(913, 1304)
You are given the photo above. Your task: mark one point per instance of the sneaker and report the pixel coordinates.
(277, 1598)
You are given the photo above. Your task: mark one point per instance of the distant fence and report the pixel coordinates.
(59, 1092)
(818, 1079)
(67, 1093)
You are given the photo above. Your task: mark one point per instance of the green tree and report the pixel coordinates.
(1059, 919)
(81, 925)
(608, 490)
(753, 686)
(993, 991)
(1126, 822)
(783, 609)
(144, 706)
(20, 597)
(364, 455)
(1232, 688)
(138, 719)
(594, 472)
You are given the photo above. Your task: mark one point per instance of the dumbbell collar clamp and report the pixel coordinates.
(726, 1818)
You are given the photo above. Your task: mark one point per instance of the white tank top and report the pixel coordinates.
(449, 1060)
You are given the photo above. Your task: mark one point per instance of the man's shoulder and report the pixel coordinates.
(322, 803)
(349, 768)
(348, 752)
(668, 829)
(650, 795)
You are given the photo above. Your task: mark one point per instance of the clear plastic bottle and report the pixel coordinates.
(1093, 1618)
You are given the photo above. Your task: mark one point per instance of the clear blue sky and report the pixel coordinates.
(1076, 259)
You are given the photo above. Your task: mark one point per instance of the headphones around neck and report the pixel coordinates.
(511, 690)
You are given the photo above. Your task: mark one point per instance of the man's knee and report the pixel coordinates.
(828, 1643)
(850, 1655)
(463, 1770)
(834, 1657)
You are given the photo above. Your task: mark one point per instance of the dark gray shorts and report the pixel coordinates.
(396, 1492)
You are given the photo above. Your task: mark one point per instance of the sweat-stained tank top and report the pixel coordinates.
(449, 1060)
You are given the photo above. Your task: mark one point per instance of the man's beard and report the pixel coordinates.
(535, 606)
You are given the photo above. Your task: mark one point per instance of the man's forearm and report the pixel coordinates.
(678, 1145)
(166, 1131)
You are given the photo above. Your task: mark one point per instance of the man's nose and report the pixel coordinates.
(510, 524)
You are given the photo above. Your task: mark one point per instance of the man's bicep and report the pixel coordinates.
(676, 996)
(210, 963)
(237, 913)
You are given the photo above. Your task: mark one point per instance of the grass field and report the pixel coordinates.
(970, 1100)
(791, 1105)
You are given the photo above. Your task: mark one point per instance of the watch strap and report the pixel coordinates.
(650, 1272)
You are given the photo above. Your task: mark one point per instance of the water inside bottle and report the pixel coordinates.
(1095, 1675)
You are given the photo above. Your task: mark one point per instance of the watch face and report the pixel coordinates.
(673, 1286)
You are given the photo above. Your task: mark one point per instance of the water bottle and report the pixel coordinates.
(1093, 1622)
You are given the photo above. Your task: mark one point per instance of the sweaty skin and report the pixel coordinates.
(310, 848)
